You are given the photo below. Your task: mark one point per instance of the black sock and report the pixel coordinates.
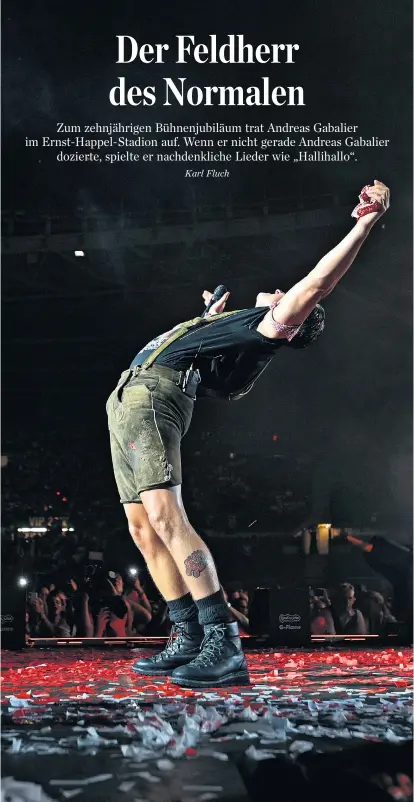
(214, 609)
(182, 609)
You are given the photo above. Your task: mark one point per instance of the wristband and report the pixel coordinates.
(363, 196)
(366, 208)
(366, 205)
(287, 332)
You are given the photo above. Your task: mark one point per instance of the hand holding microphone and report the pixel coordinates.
(215, 302)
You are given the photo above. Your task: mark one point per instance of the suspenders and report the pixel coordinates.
(195, 323)
(189, 325)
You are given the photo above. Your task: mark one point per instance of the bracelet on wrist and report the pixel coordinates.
(288, 332)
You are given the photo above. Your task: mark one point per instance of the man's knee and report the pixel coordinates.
(146, 540)
(165, 512)
(166, 523)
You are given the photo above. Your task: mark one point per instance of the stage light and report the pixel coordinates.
(79, 253)
(322, 538)
(22, 581)
(32, 529)
(133, 571)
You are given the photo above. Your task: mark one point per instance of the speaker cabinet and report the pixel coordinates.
(289, 617)
(13, 617)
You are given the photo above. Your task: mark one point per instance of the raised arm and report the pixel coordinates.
(298, 302)
(241, 618)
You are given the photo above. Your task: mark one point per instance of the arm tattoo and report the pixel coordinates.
(196, 563)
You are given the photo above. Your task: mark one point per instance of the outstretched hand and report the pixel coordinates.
(219, 306)
(374, 202)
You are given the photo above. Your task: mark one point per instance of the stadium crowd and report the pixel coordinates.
(107, 605)
(346, 610)
(78, 561)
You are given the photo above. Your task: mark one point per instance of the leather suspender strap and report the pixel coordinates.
(195, 323)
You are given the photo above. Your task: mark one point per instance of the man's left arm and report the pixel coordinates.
(297, 304)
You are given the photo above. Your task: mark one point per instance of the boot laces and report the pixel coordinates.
(212, 647)
(173, 643)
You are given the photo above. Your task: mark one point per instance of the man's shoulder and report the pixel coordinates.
(242, 315)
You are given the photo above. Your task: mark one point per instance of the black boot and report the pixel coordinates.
(221, 660)
(178, 651)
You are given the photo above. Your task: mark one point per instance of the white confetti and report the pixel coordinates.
(22, 791)
(15, 746)
(152, 737)
(97, 778)
(139, 753)
(248, 715)
(14, 701)
(126, 787)
(150, 777)
(299, 747)
(392, 737)
(165, 764)
(258, 754)
(220, 756)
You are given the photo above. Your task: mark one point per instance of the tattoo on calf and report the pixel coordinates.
(196, 563)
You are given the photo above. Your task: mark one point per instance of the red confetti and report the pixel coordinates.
(59, 676)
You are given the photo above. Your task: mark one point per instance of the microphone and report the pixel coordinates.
(217, 294)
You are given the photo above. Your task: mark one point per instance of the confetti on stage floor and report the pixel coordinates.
(89, 702)
(34, 681)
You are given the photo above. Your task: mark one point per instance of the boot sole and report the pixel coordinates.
(236, 678)
(161, 673)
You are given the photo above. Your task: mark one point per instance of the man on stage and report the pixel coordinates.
(150, 411)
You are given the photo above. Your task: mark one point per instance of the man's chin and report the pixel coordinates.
(262, 304)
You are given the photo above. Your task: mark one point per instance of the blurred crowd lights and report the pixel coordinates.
(43, 529)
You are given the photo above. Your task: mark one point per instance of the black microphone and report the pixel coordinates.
(217, 294)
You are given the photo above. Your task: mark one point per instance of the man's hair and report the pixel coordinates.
(310, 329)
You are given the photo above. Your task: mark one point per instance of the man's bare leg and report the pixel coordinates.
(159, 561)
(171, 585)
(192, 558)
(221, 660)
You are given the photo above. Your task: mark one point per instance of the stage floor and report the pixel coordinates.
(79, 720)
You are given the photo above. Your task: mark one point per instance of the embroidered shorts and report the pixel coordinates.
(148, 415)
